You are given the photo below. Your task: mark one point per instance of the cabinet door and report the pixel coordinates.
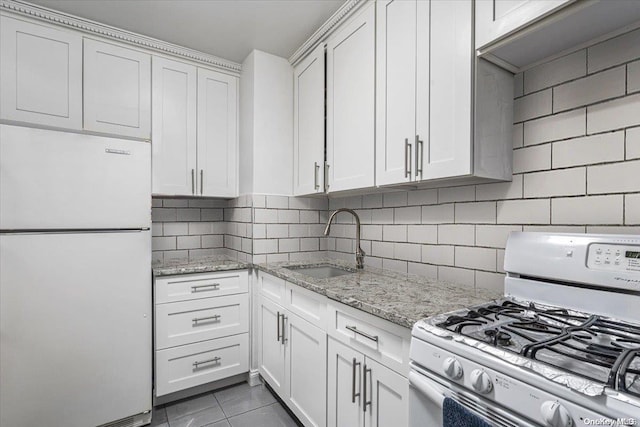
(448, 149)
(40, 74)
(271, 350)
(117, 90)
(308, 124)
(498, 18)
(306, 376)
(217, 134)
(344, 388)
(350, 103)
(396, 90)
(174, 128)
(388, 393)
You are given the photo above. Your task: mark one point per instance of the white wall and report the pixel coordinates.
(266, 125)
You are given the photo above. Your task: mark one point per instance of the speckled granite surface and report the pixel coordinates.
(400, 298)
(205, 265)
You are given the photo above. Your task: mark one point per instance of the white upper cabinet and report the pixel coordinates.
(308, 124)
(217, 135)
(40, 74)
(174, 128)
(350, 103)
(117, 90)
(498, 18)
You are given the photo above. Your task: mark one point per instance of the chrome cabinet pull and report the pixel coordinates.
(316, 170)
(202, 319)
(353, 381)
(193, 181)
(326, 176)
(278, 326)
(214, 360)
(201, 182)
(419, 155)
(284, 339)
(364, 334)
(205, 288)
(364, 380)
(407, 158)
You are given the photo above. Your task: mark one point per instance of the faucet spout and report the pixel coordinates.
(360, 254)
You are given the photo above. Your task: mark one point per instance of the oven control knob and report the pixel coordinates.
(452, 368)
(480, 381)
(555, 415)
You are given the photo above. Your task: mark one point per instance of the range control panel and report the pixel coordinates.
(603, 256)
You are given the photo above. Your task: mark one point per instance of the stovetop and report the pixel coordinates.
(595, 347)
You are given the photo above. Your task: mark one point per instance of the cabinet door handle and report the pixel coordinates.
(284, 319)
(419, 155)
(207, 288)
(364, 334)
(201, 182)
(193, 181)
(202, 319)
(407, 158)
(214, 360)
(326, 176)
(364, 378)
(278, 326)
(353, 381)
(316, 170)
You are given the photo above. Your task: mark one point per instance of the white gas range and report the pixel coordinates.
(561, 349)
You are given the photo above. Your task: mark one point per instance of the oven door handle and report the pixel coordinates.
(423, 385)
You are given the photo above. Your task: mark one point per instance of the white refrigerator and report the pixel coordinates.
(75, 279)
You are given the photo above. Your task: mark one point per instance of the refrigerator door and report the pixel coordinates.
(60, 180)
(75, 328)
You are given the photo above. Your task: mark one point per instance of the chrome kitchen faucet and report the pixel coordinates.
(359, 252)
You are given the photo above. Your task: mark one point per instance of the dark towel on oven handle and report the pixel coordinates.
(456, 415)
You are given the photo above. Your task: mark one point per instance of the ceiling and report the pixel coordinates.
(229, 29)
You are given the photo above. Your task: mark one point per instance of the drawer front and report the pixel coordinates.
(377, 338)
(307, 304)
(190, 365)
(195, 286)
(272, 287)
(186, 322)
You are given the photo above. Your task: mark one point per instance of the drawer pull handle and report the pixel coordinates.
(202, 319)
(210, 287)
(364, 334)
(214, 360)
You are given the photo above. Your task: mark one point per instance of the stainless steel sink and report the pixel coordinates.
(321, 271)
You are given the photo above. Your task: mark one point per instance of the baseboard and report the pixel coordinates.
(254, 378)
(182, 394)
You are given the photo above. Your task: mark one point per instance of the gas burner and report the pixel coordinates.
(497, 337)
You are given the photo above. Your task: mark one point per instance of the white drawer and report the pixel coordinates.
(190, 365)
(186, 322)
(309, 305)
(377, 338)
(194, 286)
(272, 287)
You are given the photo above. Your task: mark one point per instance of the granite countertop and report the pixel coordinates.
(203, 265)
(400, 298)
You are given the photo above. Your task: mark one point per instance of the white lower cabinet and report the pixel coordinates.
(200, 337)
(271, 348)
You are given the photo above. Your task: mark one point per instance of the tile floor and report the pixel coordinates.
(235, 406)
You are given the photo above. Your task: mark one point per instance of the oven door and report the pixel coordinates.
(427, 393)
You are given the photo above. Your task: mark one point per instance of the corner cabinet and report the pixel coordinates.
(308, 124)
(194, 132)
(351, 103)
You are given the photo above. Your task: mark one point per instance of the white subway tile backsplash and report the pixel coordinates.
(614, 51)
(407, 251)
(555, 228)
(595, 88)
(603, 229)
(475, 258)
(213, 241)
(456, 194)
(163, 243)
(494, 236)
(614, 177)
(309, 217)
(500, 190)
(518, 85)
(382, 216)
(633, 143)
(632, 209)
(556, 127)
(518, 135)
(633, 77)
(163, 214)
(176, 229)
(492, 281)
(524, 212)
(395, 265)
(437, 214)
(217, 215)
(423, 197)
(372, 201)
(199, 228)
(587, 210)
(456, 234)
(275, 231)
(394, 199)
(532, 158)
(394, 233)
(265, 216)
(606, 147)
(188, 242)
(372, 232)
(277, 202)
(531, 106)
(188, 214)
(175, 203)
(422, 233)
(475, 213)
(500, 261)
(423, 270)
(156, 229)
(265, 246)
(612, 115)
(288, 245)
(438, 254)
(310, 244)
(560, 70)
(409, 215)
(288, 216)
(456, 275)
(382, 249)
(563, 182)
(156, 203)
